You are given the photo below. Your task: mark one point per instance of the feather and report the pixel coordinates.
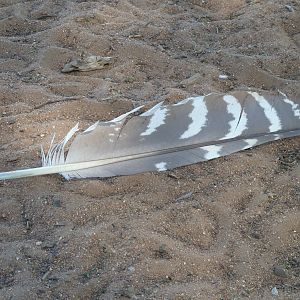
(169, 136)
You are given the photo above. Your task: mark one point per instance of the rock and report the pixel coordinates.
(280, 271)
(128, 292)
(131, 269)
(223, 77)
(274, 291)
(56, 202)
(162, 249)
(11, 120)
(256, 235)
(162, 252)
(184, 197)
(196, 78)
(89, 63)
(289, 8)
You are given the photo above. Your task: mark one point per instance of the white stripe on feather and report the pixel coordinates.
(152, 110)
(250, 143)
(162, 166)
(239, 122)
(157, 119)
(213, 151)
(198, 116)
(295, 107)
(269, 111)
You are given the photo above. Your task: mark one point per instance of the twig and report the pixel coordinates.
(59, 100)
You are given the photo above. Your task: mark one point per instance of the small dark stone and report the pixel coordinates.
(162, 252)
(255, 235)
(128, 292)
(56, 202)
(11, 120)
(162, 249)
(289, 8)
(131, 269)
(280, 271)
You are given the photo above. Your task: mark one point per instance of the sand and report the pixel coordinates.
(224, 229)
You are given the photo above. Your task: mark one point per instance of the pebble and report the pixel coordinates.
(274, 291)
(162, 252)
(11, 121)
(289, 8)
(162, 249)
(196, 78)
(56, 202)
(184, 197)
(223, 77)
(255, 235)
(161, 48)
(129, 292)
(280, 271)
(131, 269)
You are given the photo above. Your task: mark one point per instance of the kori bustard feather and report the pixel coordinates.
(169, 136)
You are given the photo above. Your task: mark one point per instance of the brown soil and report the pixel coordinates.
(214, 230)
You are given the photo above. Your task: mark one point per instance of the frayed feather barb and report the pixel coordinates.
(169, 136)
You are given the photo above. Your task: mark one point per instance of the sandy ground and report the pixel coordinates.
(224, 229)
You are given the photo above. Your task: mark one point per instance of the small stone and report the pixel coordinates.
(280, 271)
(289, 8)
(162, 249)
(274, 291)
(162, 252)
(38, 243)
(11, 121)
(223, 77)
(129, 292)
(196, 78)
(184, 197)
(255, 235)
(131, 269)
(85, 64)
(161, 48)
(56, 202)
(180, 56)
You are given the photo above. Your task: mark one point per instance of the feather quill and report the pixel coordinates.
(169, 136)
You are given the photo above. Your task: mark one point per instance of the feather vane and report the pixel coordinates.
(169, 136)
